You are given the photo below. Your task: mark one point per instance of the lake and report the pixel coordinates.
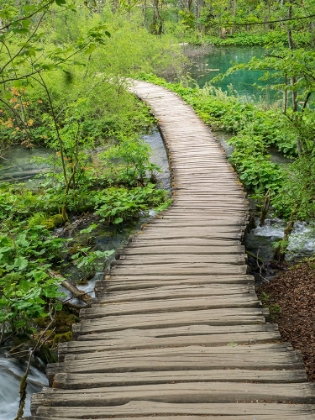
(244, 83)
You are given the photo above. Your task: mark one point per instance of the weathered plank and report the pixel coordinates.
(131, 282)
(180, 269)
(179, 393)
(140, 240)
(138, 341)
(111, 363)
(217, 331)
(84, 380)
(176, 291)
(195, 258)
(152, 408)
(228, 316)
(193, 303)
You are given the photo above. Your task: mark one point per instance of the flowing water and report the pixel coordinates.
(11, 371)
(301, 242)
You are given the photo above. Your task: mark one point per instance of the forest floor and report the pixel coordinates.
(291, 301)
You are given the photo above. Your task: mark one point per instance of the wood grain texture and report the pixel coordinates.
(176, 330)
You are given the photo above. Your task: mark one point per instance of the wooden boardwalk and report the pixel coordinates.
(176, 331)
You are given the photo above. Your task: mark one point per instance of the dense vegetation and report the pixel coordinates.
(63, 87)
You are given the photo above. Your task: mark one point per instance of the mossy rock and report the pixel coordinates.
(63, 322)
(61, 338)
(53, 221)
(50, 222)
(46, 354)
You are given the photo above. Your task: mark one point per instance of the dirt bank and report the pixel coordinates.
(291, 299)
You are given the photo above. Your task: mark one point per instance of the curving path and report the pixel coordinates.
(176, 331)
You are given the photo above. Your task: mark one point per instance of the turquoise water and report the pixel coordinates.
(246, 83)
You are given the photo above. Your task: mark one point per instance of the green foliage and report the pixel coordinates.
(87, 259)
(27, 290)
(257, 172)
(116, 205)
(128, 163)
(248, 39)
(274, 308)
(298, 190)
(243, 39)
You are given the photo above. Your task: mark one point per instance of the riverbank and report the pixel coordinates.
(291, 301)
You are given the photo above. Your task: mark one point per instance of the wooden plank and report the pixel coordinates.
(194, 351)
(186, 330)
(181, 269)
(167, 223)
(198, 229)
(131, 259)
(134, 249)
(192, 233)
(232, 316)
(130, 282)
(180, 359)
(140, 409)
(176, 291)
(180, 393)
(170, 305)
(81, 381)
(138, 341)
(140, 240)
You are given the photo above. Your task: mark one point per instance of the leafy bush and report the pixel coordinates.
(27, 290)
(116, 205)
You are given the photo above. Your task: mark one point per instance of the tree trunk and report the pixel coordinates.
(281, 250)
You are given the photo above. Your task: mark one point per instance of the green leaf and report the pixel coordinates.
(118, 220)
(60, 2)
(24, 285)
(90, 49)
(89, 229)
(39, 275)
(21, 240)
(20, 263)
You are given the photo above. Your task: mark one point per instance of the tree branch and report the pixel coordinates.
(230, 24)
(3, 28)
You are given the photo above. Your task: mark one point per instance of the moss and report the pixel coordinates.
(46, 354)
(63, 321)
(62, 337)
(53, 221)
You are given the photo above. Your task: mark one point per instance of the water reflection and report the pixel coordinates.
(20, 164)
(243, 83)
